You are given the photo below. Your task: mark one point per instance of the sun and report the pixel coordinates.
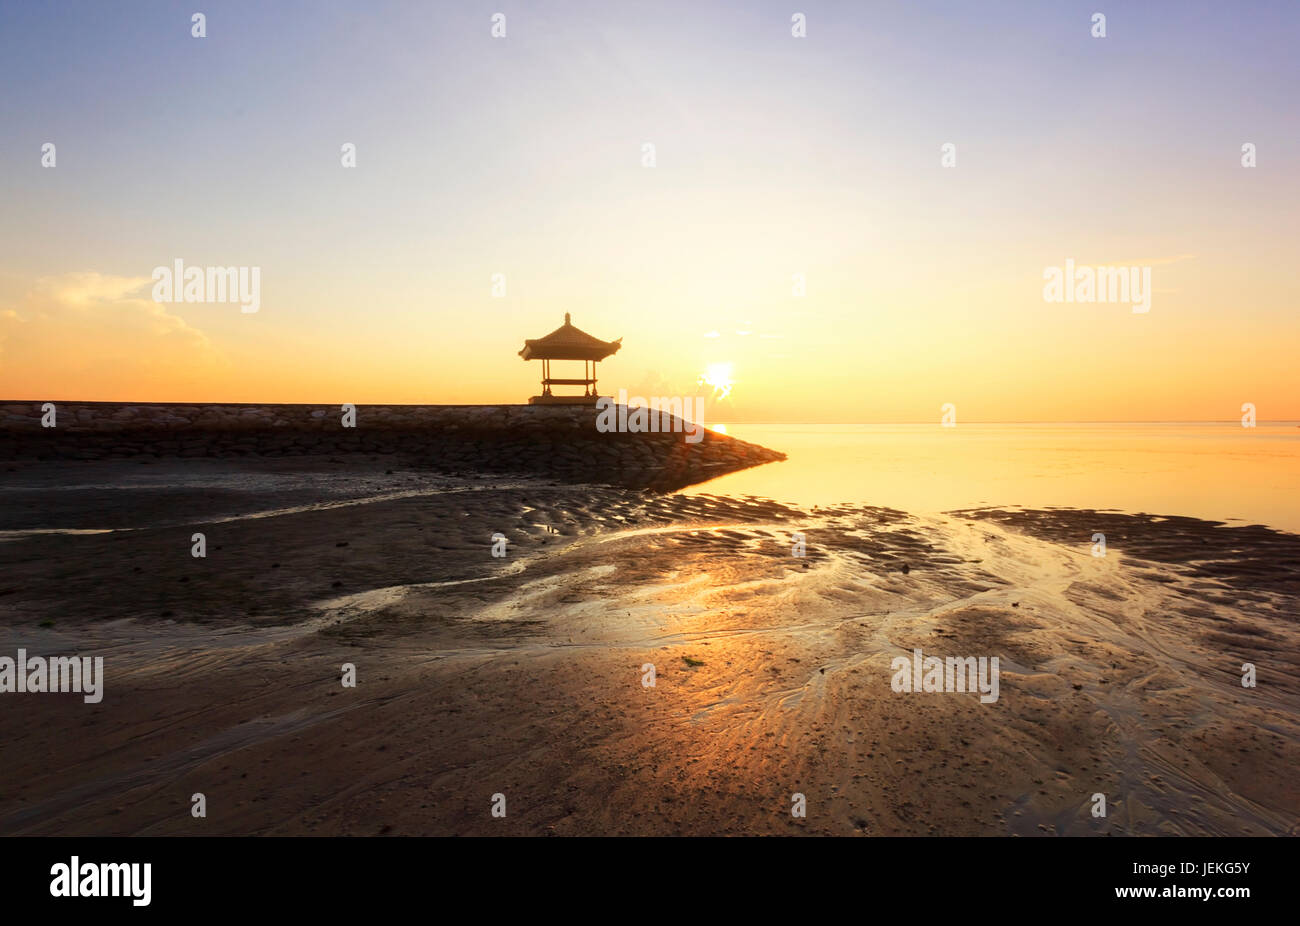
(718, 376)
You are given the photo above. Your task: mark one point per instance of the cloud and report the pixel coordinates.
(94, 336)
(1156, 261)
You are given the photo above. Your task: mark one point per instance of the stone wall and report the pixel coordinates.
(560, 442)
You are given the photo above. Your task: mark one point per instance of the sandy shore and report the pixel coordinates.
(523, 675)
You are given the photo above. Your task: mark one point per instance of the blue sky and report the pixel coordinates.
(477, 155)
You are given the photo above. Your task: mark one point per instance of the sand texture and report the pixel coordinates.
(523, 675)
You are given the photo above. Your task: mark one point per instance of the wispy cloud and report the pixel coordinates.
(85, 333)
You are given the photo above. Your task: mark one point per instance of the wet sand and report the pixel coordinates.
(523, 675)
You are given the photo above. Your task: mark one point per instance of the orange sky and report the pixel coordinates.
(773, 157)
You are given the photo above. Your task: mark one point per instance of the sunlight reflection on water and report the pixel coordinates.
(1218, 471)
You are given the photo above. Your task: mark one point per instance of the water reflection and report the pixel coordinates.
(1219, 471)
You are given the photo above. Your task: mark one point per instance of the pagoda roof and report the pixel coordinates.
(568, 343)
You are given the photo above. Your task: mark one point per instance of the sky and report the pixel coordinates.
(776, 159)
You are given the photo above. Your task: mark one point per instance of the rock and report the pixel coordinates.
(560, 442)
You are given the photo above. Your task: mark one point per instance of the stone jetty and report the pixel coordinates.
(555, 442)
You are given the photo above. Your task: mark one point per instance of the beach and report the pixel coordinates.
(706, 420)
(524, 676)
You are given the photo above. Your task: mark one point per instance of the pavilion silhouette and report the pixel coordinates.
(568, 343)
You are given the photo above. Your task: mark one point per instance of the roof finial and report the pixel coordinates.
(566, 318)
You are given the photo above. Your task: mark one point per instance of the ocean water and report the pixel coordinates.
(1219, 471)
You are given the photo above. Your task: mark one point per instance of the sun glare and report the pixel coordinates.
(718, 376)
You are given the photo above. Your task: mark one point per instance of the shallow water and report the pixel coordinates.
(1217, 471)
(1118, 674)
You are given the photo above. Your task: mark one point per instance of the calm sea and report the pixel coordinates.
(1219, 471)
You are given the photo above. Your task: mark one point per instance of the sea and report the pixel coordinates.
(1219, 471)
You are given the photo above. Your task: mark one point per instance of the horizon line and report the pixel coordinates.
(733, 421)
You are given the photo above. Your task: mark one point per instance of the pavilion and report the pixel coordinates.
(568, 343)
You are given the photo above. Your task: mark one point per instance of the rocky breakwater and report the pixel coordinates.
(557, 442)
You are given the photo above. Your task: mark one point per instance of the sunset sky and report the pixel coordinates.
(774, 156)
